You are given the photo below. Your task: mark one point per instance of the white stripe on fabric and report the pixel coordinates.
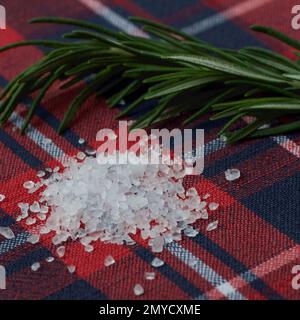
(221, 17)
(36, 136)
(10, 244)
(112, 17)
(205, 272)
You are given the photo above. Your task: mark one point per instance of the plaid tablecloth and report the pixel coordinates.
(252, 252)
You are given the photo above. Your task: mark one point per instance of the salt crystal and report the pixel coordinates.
(80, 155)
(49, 259)
(49, 170)
(30, 221)
(138, 290)
(44, 209)
(7, 233)
(35, 266)
(56, 169)
(28, 184)
(23, 206)
(71, 268)
(206, 196)
(156, 262)
(19, 218)
(41, 174)
(213, 206)
(190, 232)
(149, 275)
(2, 197)
(61, 251)
(232, 174)
(35, 207)
(81, 141)
(41, 216)
(33, 238)
(90, 151)
(44, 230)
(108, 261)
(89, 248)
(212, 226)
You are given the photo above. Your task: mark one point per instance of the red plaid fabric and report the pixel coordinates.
(249, 256)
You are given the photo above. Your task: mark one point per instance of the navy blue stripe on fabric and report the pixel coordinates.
(79, 290)
(236, 265)
(50, 119)
(26, 261)
(279, 205)
(5, 219)
(169, 273)
(19, 150)
(221, 165)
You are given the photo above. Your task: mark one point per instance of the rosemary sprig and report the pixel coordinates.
(183, 75)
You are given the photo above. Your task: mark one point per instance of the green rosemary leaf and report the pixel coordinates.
(160, 26)
(222, 65)
(52, 78)
(79, 100)
(280, 129)
(208, 105)
(115, 99)
(183, 85)
(277, 35)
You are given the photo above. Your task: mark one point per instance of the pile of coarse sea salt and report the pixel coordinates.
(93, 199)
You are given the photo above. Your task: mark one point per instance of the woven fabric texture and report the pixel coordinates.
(252, 252)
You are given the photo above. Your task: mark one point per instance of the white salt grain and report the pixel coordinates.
(35, 207)
(35, 266)
(7, 233)
(28, 184)
(108, 261)
(232, 174)
(61, 251)
(190, 232)
(33, 238)
(71, 268)
(2, 197)
(81, 141)
(89, 248)
(41, 216)
(41, 174)
(90, 151)
(44, 209)
(149, 275)
(81, 155)
(156, 263)
(49, 259)
(138, 290)
(213, 206)
(30, 221)
(212, 226)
